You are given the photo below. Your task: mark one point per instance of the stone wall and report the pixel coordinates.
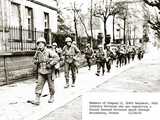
(15, 67)
(18, 66)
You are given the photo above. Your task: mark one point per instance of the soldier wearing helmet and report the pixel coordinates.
(56, 71)
(70, 53)
(109, 57)
(88, 55)
(100, 60)
(76, 62)
(41, 43)
(45, 60)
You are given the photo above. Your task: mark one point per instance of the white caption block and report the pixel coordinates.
(120, 106)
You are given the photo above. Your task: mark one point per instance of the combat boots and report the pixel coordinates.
(51, 99)
(73, 82)
(37, 100)
(66, 86)
(97, 74)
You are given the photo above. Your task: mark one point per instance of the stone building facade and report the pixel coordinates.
(28, 15)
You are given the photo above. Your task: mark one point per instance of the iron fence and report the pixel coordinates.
(20, 39)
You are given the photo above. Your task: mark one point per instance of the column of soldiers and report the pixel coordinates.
(125, 54)
(122, 55)
(49, 60)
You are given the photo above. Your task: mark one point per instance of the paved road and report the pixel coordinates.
(142, 77)
(13, 97)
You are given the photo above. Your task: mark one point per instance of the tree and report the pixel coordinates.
(62, 27)
(91, 21)
(116, 9)
(106, 10)
(83, 23)
(103, 11)
(123, 14)
(155, 3)
(155, 25)
(74, 10)
(154, 21)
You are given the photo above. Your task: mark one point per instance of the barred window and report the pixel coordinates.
(29, 13)
(46, 20)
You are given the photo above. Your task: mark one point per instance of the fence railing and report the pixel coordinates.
(20, 39)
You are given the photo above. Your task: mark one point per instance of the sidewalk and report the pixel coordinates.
(13, 98)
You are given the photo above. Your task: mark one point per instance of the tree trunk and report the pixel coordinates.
(134, 36)
(75, 24)
(105, 30)
(113, 29)
(130, 35)
(124, 33)
(91, 26)
(85, 28)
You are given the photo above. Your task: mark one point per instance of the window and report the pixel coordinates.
(29, 13)
(15, 15)
(46, 20)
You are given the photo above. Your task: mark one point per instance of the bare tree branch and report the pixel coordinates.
(85, 28)
(153, 4)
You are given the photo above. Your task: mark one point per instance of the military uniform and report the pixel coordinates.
(45, 60)
(70, 62)
(129, 54)
(109, 57)
(100, 60)
(133, 53)
(119, 57)
(56, 70)
(140, 53)
(88, 56)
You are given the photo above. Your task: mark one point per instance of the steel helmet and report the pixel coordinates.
(88, 44)
(41, 39)
(74, 42)
(68, 39)
(99, 46)
(54, 44)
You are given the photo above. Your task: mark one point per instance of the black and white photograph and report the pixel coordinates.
(79, 59)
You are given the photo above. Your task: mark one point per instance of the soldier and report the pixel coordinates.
(109, 58)
(133, 53)
(129, 51)
(140, 53)
(124, 55)
(100, 60)
(76, 62)
(57, 66)
(119, 56)
(71, 53)
(45, 60)
(88, 55)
